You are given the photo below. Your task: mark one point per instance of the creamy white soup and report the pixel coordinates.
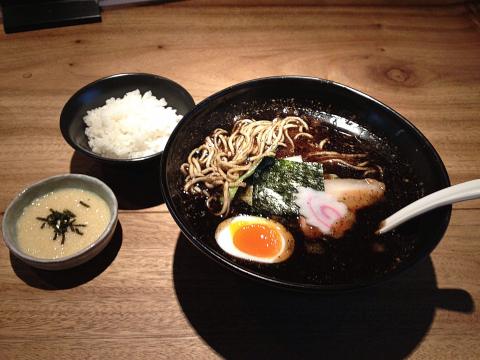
(61, 223)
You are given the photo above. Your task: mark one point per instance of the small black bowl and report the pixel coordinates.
(347, 109)
(96, 93)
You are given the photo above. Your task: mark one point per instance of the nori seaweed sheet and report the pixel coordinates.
(276, 181)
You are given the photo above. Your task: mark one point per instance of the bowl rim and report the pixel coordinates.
(101, 238)
(325, 288)
(64, 120)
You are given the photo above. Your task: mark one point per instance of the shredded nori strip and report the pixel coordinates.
(84, 204)
(276, 181)
(61, 222)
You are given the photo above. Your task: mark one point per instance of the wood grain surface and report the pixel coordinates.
(152, 295)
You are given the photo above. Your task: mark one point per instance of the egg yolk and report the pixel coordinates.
(257, 240)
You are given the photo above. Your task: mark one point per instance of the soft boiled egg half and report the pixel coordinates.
(255, 238)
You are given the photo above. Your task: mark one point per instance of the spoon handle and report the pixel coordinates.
(465, 191)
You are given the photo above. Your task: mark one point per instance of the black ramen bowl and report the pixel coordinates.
(348, 263)
(96, 93)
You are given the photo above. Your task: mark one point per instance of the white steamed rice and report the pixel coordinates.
(130, 127)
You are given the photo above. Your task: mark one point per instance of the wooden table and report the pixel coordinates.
(151, 294)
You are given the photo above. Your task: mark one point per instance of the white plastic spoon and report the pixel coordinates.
(465, 191)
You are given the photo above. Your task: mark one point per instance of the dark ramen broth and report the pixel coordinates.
(359, 255)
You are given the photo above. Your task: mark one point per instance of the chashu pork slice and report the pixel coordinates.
(355, 193)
